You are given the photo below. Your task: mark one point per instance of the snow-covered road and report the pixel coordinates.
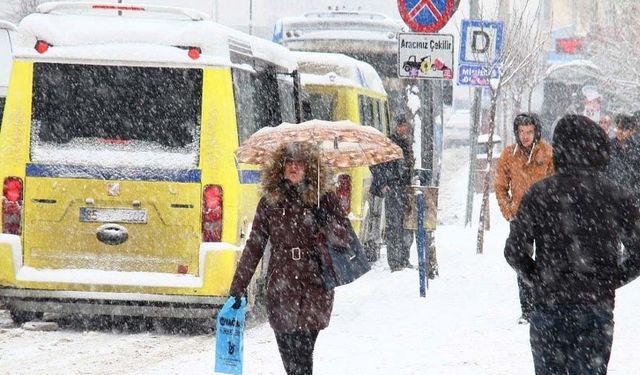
(465, 325)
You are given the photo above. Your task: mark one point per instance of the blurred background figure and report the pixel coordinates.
(606, 125)
(625, 154)
(393, 181)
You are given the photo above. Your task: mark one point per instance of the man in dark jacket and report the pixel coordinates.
(392, 180)
(577, 220)
(625, 154)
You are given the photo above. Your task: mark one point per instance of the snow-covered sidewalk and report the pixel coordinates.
(380, 325)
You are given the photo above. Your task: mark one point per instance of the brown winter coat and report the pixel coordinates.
(296, 297)
(516, 171)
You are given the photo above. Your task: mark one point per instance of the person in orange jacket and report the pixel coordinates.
(521, 165)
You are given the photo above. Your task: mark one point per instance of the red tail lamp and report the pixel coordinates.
(212, 214)
(42, 46)
(12, 206)
(194, 52)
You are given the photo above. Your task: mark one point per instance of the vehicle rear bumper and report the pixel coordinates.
(94, 291)
(115, 304)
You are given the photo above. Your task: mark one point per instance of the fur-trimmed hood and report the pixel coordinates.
(276, 189)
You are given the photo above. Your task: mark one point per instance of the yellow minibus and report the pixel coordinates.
(121, 193)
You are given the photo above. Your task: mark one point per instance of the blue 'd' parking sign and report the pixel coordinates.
(481, 41)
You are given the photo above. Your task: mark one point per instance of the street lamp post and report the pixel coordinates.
(250, 17)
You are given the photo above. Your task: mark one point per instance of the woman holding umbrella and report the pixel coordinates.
(290, 218)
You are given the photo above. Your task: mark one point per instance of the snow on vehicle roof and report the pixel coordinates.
(333, 24)
(7, 25)
(573, 71)
(346, 20)
(137, 37)
(573, 63)
(329, 27)
(389, 38)
(346, 14)
(337, 69)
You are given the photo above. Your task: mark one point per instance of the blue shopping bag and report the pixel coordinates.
(229, 337)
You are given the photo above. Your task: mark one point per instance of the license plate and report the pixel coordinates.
(113, 215)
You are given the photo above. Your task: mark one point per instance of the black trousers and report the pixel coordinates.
(571, 340)
(296, 351)
(526, 298)
(398, 238)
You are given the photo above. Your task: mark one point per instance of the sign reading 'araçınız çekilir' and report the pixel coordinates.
(425, 56)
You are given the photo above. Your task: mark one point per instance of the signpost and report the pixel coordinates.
(428, 56)
(476, 75)
(426, 16)
(480, 47)
(425, 56)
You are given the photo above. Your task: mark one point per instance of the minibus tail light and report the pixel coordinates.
(12, 206)
(343, 192)
(42, 46)
(194, 52)
(212, 213)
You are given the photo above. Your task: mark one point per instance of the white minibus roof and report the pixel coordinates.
(337, 69)
(118, 33)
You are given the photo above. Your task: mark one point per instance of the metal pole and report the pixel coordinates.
(473, 150)
(422, 245)
(427, 123)
(473, 133)
(216, 10)
(250, 17)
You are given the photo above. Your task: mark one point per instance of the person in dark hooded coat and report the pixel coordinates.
(577, 220)
(289, 217)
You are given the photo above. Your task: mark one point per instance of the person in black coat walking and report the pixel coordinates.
(393, 180)
(577, 220)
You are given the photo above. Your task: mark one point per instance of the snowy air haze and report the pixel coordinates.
(466, 325)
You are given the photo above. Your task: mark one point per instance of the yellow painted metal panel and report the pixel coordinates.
(54, 237)
(16, 122)
(218, 142)
(220, 266)
(7, 276)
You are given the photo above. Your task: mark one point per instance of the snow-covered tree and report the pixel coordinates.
(613, 47)
(521, 65)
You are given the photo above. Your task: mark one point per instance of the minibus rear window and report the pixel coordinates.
(322, 107)
(116, 115)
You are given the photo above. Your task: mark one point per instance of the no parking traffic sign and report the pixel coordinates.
(426, 16)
